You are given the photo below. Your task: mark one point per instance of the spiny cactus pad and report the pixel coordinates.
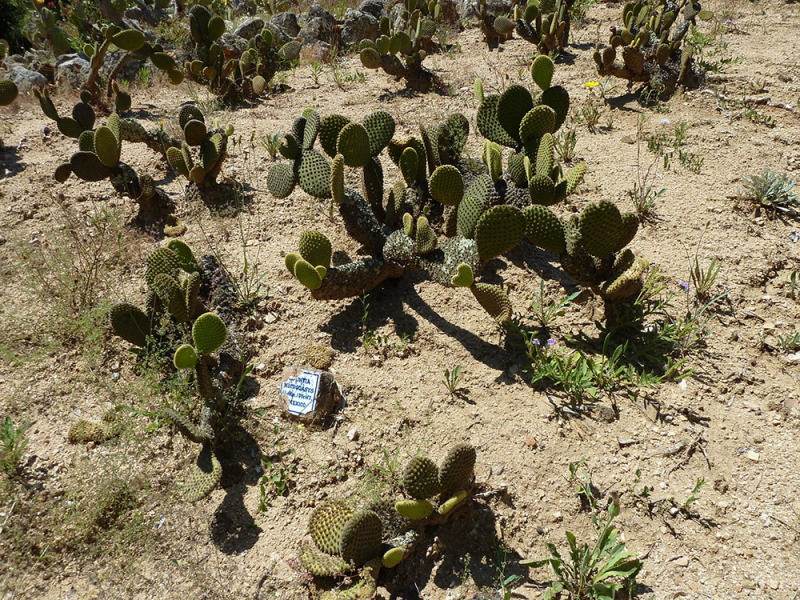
(499, 230)
(380, 127)
(8, 92)
(280, 180)
(494, 301)
(453, 501)
(316, 248)
(455, 472)
(354, 145)
(329, 129)
(600, 226)
(544, 229)
(185, 357)
(208, 333)
(414, 509)
(421, 478)
(512, 106)
(130, 323)
(426, 240)
(542, 71)
(465, 277)
(322, 564)
(327, 522)
(82, 432)
(307, 274)
(361, 537)
(204, 476)
(314, 174)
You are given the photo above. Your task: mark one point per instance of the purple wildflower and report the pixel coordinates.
(551, 342)
(684, 285)
(536, 342)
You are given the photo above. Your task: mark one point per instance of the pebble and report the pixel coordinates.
(557, 517)
(352, 435)
(532, 442)
(682, 561)
(753, 455)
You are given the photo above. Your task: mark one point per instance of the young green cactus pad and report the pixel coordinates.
(208, 333)
(421, 478)
(653, 51)
(204, 476)
(456, 470)
(82, 432)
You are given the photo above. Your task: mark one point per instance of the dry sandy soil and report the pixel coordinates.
(108, 521)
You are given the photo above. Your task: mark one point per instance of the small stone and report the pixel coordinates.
(624, 442)
(352, 435)
(682, 561)
(270, 318)
(752, 406)
(557, 517)
(532, 442)
(753, 455)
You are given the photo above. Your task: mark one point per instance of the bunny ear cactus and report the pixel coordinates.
(652, 42)
(98, 158)
(545, 24)
(200, 167)
(495, 28)
(233, 79)
(400, 52)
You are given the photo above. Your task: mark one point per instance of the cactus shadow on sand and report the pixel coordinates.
(233, 529)
(10, 162)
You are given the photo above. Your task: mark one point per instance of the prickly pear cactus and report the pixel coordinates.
(545, 24)
(400, 51)
(651, 40)
(8, 92)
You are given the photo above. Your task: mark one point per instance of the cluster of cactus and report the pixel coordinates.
(212, 146)
(545, 23)
(483, 211)
(233, 79)
(173, 279)
(108, 39)
(98, 157)
(400, 52)
(383, 532)
(495, 28)
(652, 50)
(83, 431)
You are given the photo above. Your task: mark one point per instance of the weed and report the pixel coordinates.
(13, 442)
(770, 190)
(565, 141)
(145, 77)
(592, 573)
(589, 115)
(643, 195)
(452, 379)
(277, 478)
(316, 71)
(272, 143)
(545, 312)
(683, 507)
(702, 279)
(652, 98)
(584, 488)
(506, 583)
(667, 146)
(789, 343)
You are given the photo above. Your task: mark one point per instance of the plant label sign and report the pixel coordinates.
(301, 392)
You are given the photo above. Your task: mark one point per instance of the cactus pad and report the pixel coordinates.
(498, 230)
(512, 106)
(82, 432)
(89, 167)
(195, 132)
(316, 248)
(557, 98)
(314, 174)
(337, 179)
(354, 145)
(172, 295)
(307, 274)
(106, 146)
(186, 260)
(130, 323)
(380, 127)
(488, 124)
(421, 478)
(600, 225)
(414, 509)
(544, 229)
(280, 180)
(320, 563)
(542, 71)
(538, 121)
(469, 212)
(391, 558)
(185, 357)
(426, 237)
(446, 185)
(409, 165)
(493, 300)
(626, 279)
(329, 129)
(465, 277)
(542, 190)
(361, 537)
(449, 504)
(208, 333)
(205, 475)
(8, 92)
(311, 129)
(630, 225)
(455, 472)
(327, 522)
(188, 113)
